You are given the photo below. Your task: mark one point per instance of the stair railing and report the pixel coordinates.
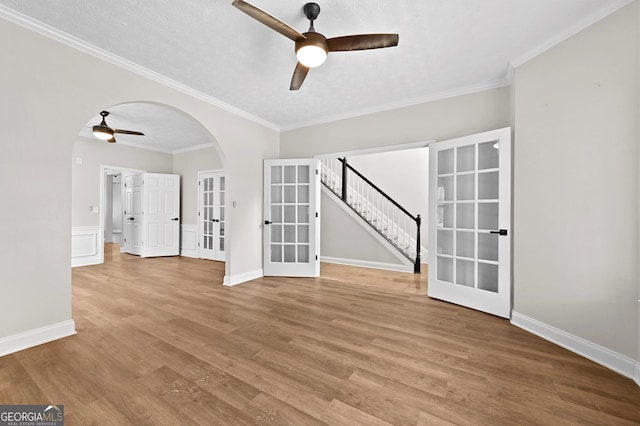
(392, 221)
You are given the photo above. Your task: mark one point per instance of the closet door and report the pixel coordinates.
(160, 215)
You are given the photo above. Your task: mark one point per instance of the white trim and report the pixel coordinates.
(38, 336)
(85, 246)
(189, 241)
(367, 264)
(62, 37)
(603, 356)
(194, 148)
(636, 375)
(376, 150)
(606, 10)
(242, 278)
(482, 87)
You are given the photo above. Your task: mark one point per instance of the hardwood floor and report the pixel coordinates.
(161, 342)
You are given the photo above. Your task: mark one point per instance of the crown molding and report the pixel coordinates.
(74, 42)
(193, 148)
(607, 10)
(495, 84)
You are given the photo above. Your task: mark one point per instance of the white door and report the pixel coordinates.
(132, 213)
(470, 220)
(160, 215)
(211, 215)
(291, 222)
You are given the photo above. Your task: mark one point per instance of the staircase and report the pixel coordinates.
(389, 219)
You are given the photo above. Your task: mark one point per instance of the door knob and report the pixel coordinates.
(175, 218)
(267, 222)
(499, 232)
(130, 218)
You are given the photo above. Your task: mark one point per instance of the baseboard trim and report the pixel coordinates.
(231, 280)
(367, 264)
(596, 353)
(31, 338)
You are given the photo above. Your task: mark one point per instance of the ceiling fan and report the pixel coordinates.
(312, 47)
(102, 131)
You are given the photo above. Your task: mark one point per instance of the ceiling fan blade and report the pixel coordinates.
(299, 74)
(362, 42)
(268, 20)
(128, 132)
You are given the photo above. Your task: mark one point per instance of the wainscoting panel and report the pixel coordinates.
(189, 241)
(84, 245)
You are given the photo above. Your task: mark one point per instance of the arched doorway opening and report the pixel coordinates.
(173, 143)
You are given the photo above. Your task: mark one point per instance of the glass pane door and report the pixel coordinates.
(212, 218)
(291, 192)
(470, 215)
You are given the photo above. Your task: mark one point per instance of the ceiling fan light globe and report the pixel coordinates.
(102, 133)
(311, 56)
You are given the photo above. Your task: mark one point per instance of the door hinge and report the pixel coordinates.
(316, 257)
(198, 244)
(199, 183)
(316, 172)
(316, 214)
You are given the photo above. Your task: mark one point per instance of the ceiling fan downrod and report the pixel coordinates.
(311, 11)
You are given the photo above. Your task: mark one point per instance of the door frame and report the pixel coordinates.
(104, 170)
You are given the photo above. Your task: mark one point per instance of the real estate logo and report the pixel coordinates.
(32, 415)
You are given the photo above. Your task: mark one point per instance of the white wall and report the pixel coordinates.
(443, 119)
(86, 176)
(637, 366)
(339, 230)
(576, 185)
(116, 209)
(188, 164)
(49, 90)
(404, 176)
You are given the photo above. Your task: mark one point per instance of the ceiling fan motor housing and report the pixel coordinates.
(311, 11)
(312, 39)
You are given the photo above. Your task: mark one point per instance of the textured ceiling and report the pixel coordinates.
(165, 129)
(446, 47)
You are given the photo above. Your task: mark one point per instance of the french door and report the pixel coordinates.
(211, 215)
(291, 222)
(470, 220)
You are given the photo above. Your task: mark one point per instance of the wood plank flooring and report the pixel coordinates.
(161, 342)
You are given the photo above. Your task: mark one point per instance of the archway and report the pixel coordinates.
(173, 142)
